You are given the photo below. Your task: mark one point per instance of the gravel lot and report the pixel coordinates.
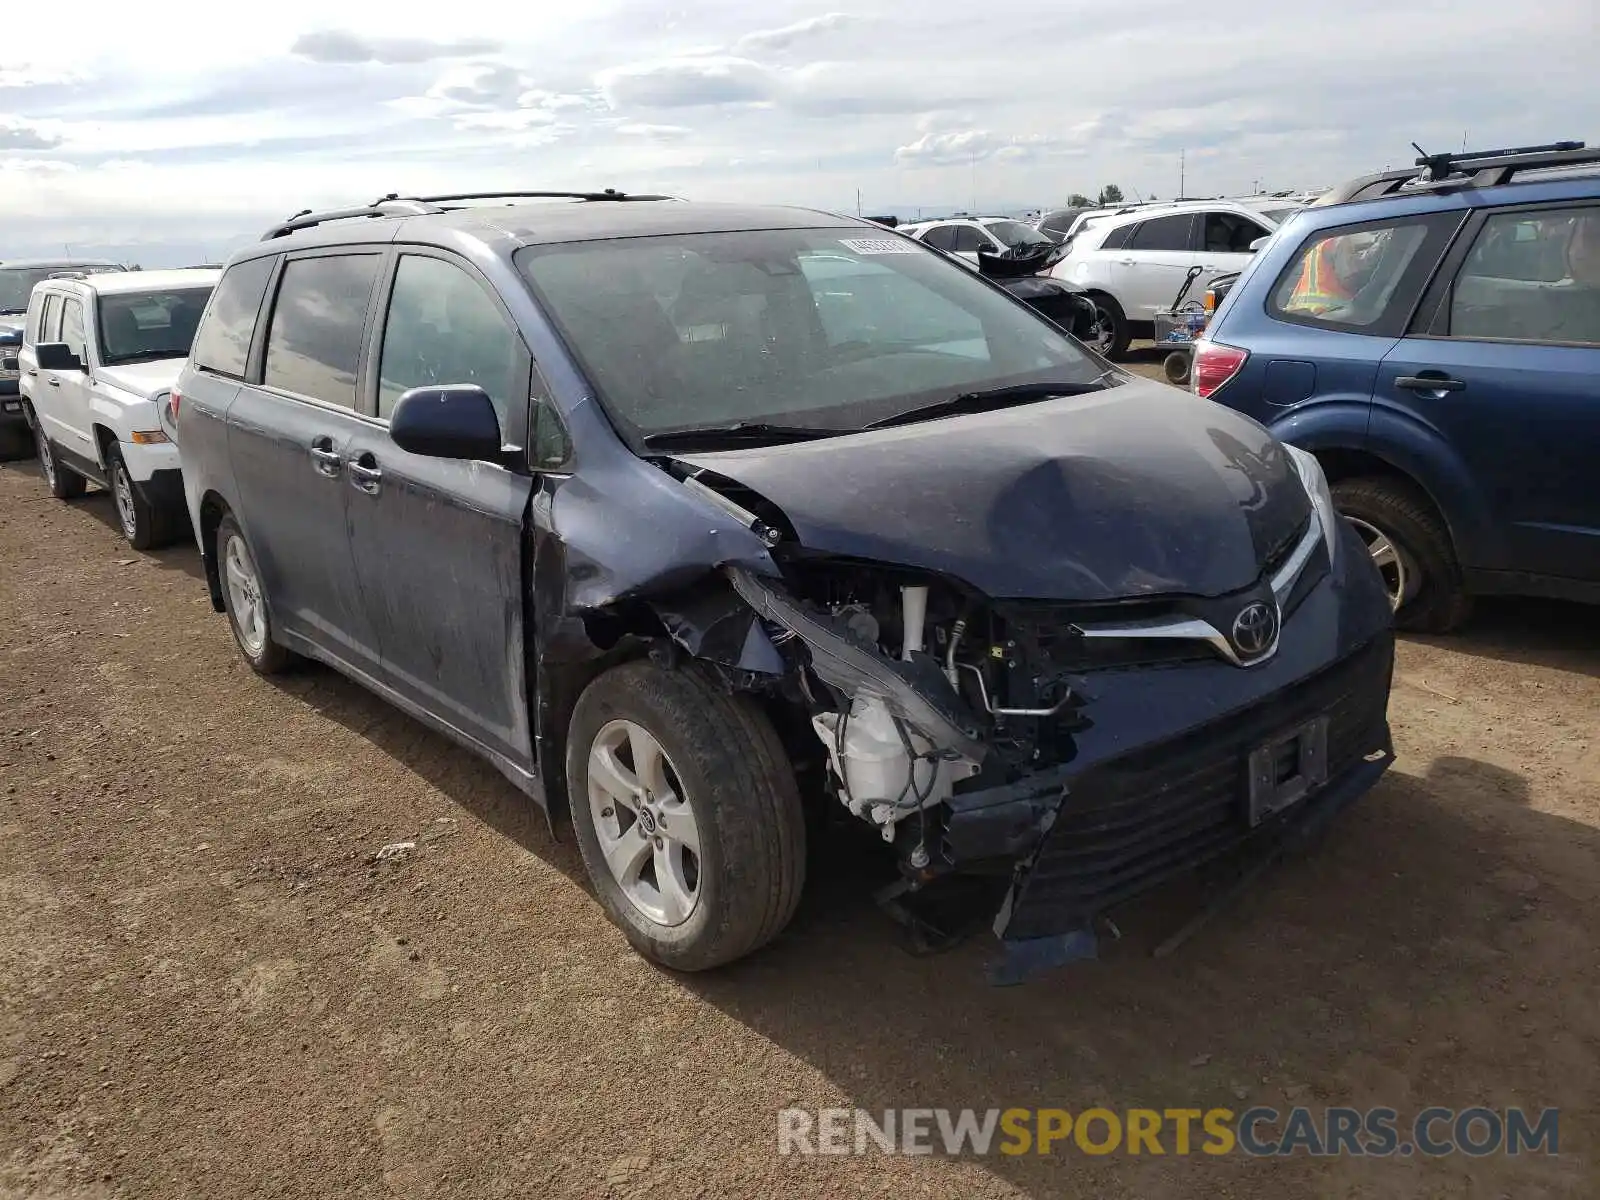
(209, 988)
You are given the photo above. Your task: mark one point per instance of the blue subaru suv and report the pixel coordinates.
(1432, 335)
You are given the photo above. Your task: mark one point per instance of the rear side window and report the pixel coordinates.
(314, 341)
(222, 344)
(72, 329)
(1118, 237)
(942, 238)
(1362, 278)
(1531, 277)
(1162, 233)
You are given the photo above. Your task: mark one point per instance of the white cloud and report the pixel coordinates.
(688, 82)
(656, 133)
(783, 39)
(342, 46)
(1009, 106)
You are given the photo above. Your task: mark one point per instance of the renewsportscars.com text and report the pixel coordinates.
(1257, 1132)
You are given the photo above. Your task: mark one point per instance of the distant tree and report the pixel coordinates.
(1110, 194)
(1078, 200)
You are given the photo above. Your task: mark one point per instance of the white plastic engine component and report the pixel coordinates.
(882, 782)
(914, 616)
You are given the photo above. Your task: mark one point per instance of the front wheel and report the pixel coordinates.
(1412, 549)
(1112, 335)
(687, 814)
(144, 525)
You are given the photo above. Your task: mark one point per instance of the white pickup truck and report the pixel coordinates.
(99, 355)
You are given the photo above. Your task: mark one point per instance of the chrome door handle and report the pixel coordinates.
(1428, 383)
(325, 459)
(53, 382)
(365, 478)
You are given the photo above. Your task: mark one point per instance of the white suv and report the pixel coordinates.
(964, 237)
(1134, 262)
(99, 355)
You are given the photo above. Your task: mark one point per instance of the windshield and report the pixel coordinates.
(823, 328)
(16, 283)
(1015, 233)
(143, 326)
(1279, 215)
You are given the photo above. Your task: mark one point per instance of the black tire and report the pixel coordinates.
(1114, 332)
(63, 482)
(1438, 601)
(741, 789)
(143, 524)
(267, 658)
(1176, 367)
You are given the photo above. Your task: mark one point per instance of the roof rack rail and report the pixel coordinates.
(1476, 168)
(396, 205)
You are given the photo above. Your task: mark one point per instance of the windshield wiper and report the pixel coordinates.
(991, 398)
(123, 360)
(739, 433)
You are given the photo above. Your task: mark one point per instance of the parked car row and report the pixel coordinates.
(708, 523)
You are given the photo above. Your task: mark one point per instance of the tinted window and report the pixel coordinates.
(1118, 237)
(314, 341)
(223, 342)
(1230, 233)
(1356, 277)
(828, 328)
(72, 329)
(442, 327)
(144, 326)
(968, 239)
(1162, 233)
(1531, 277)
(50, 330)
(942, 237)
(1059, 221)
(1015, 233)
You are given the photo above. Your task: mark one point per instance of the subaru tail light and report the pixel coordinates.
(1214, 365)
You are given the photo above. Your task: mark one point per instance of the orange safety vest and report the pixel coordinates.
(1319, 287)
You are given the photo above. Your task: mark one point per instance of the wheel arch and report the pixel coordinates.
(212, 509)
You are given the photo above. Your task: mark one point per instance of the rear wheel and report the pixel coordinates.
(245, 601)
(1113, 335)
(64, 483)
(1411, 547)
(687, 814)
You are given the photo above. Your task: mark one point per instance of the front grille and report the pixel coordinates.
(1132, 822)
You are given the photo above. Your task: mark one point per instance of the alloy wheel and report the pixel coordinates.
(122, 489)
(644, 823)
(47, 462)
(244, 595)
(1401, 579)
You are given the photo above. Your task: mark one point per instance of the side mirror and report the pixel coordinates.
(57, 356)
(1260, 242)
(455, 420)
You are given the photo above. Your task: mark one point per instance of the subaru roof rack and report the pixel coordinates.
(1477, 168)
(396, 205)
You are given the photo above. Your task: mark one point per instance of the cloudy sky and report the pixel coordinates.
(180, 129)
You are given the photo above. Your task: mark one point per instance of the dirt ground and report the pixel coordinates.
(209, 988)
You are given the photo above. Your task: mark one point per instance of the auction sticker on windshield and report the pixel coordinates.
(877, 245)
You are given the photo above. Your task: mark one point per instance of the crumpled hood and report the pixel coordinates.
(1139, 490)
(144, 379)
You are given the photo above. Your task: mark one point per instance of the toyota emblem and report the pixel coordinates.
(1255, 629)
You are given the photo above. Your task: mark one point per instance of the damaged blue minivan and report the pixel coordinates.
(707, 522)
